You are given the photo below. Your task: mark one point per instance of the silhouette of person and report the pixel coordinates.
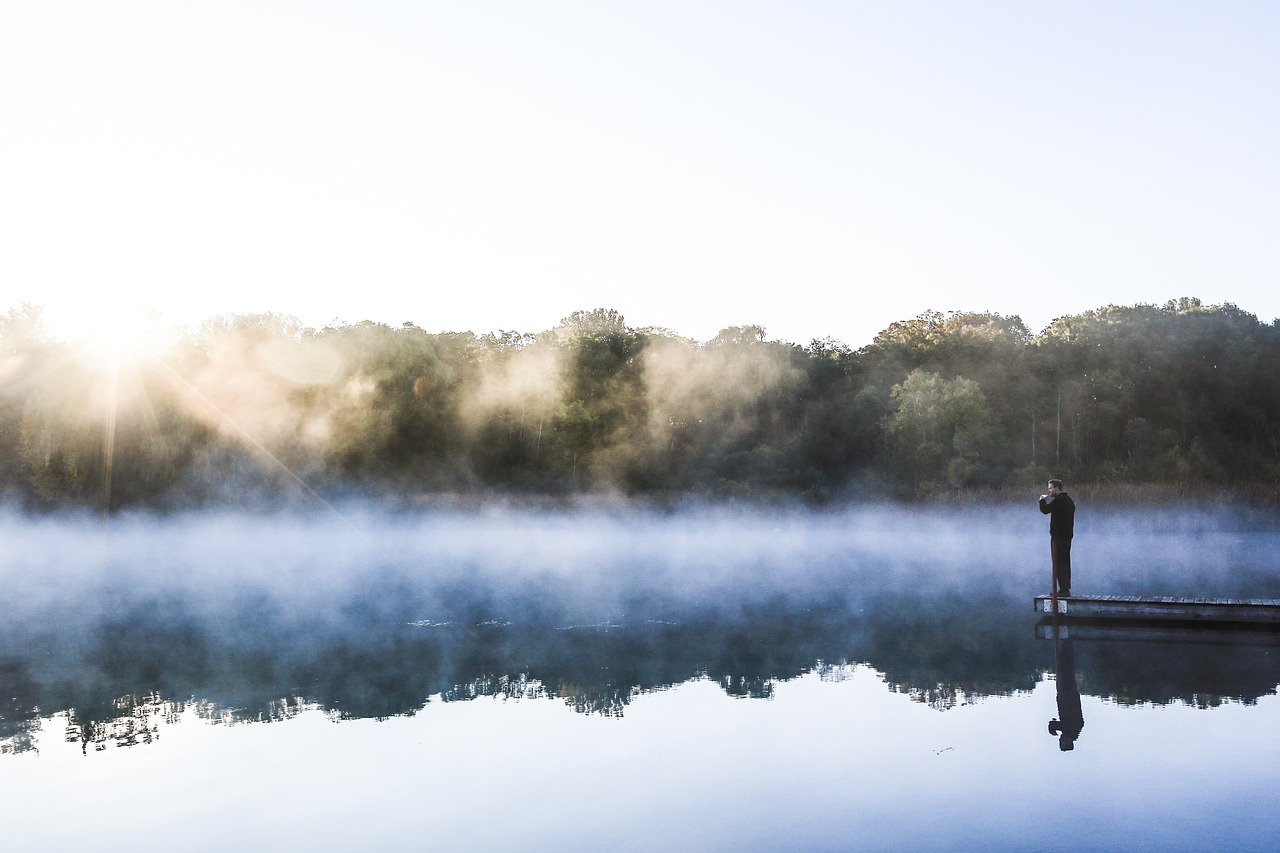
(1057, 504)
(1070, 720)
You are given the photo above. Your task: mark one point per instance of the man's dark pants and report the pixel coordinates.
(1060, 548)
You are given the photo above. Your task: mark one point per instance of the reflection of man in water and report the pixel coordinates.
(1062, 526)
(1070, 715)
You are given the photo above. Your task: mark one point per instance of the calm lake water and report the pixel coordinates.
(865, 679)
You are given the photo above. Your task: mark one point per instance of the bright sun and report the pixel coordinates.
(105, 330)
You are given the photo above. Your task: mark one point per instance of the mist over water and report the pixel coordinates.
(596, 561)
(369, 612)
(609, 564)
(590, 558)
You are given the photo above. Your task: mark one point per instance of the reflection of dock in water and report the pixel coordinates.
(1123, 630)
(1161, 660)
(1260, 611)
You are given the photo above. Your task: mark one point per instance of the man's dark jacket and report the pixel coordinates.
(1062, 515)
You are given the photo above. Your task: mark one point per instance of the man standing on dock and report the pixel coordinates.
(1057, 504)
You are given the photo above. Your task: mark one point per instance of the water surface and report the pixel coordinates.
(861, 679)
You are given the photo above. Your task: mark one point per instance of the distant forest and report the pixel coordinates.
(252, 410)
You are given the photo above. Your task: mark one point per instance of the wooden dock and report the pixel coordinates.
(1167, 608)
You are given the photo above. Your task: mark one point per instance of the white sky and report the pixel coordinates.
(818, 168)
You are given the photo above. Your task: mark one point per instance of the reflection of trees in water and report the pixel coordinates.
(940, 697)
(133, 720)
(1200, 675)
(506, 687)
(19, 701)
(125, 721)
(748, 687)
(119, 681)
(943, 650)
(608, 701)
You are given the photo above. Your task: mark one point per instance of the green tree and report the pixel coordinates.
(942, 428)
(602, 404)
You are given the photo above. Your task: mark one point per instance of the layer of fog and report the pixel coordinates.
(600, 564)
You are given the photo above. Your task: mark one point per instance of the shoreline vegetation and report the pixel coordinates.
(1131, 495)
(1130, 405)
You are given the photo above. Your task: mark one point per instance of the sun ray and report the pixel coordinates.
(226, 420)
(111, 407)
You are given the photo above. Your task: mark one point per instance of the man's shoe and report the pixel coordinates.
(1066, 593)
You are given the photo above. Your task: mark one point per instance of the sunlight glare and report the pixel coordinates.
(108, 331)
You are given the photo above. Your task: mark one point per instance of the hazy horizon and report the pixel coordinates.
(151, 322)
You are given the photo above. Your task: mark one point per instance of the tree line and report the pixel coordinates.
(256, 407)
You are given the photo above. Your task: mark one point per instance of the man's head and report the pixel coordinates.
(1055, 486)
